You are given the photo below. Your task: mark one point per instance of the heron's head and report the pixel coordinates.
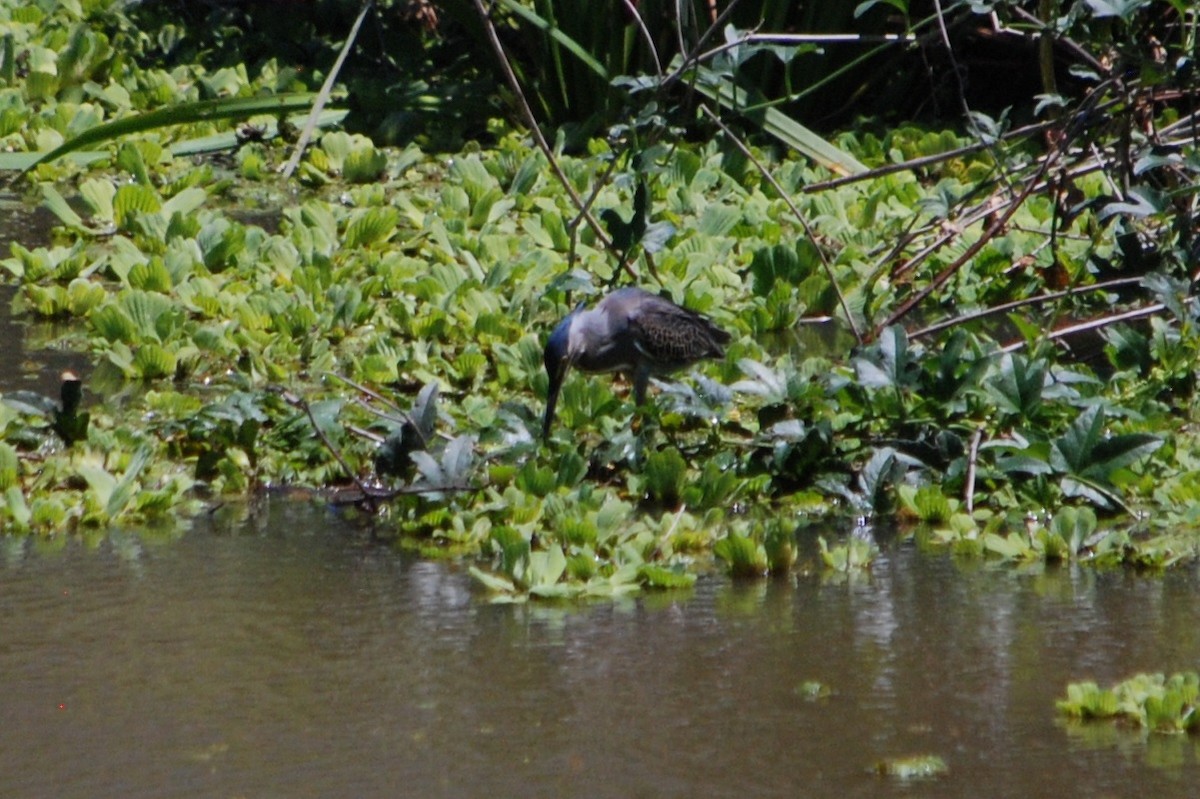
(557, 358)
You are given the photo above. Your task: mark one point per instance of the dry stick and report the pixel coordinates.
(301, 403)
(694, 57)
(923, 161)
(632, 8)
(1093, 324)
(795, 211)
(953, 231)
(370, 493)
(402, 491)
(972, 457)
(369, 392)
(965, 220)
(990, 233)
(536, 131)
(323, 95)
(1008, 306)
(962, 91)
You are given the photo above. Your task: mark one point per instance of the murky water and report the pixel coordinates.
(294, 657)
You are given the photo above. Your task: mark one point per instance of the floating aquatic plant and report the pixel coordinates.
(1152, 702)
(914, 767)
(855, 554)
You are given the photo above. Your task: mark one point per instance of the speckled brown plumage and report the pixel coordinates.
(673, 337)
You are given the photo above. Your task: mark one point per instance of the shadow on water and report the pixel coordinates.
(293, 657)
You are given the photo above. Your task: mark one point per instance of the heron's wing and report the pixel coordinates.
(673, 337)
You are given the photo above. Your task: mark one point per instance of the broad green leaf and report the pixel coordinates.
(1017, 388)
(545, 567)
(10, 466)
(58, 206)
(372, 226)
(1011, 547)
(99, 194)
(134, 198)
(185, 202)
(1072, 452)
(492, 582)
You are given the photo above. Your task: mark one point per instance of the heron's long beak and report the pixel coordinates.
(556, 380)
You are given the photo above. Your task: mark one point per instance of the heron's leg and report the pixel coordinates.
(641, 379)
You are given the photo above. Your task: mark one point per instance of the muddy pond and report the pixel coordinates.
(289, 654)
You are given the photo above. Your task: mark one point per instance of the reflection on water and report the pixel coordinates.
(294, 657)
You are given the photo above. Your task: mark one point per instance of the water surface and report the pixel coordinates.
(293, 656)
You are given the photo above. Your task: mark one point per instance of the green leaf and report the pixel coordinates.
(185, 202)
(58, 206)
(653, 576)
(1072, 452)
(742, 555)
(10, 466)
(371, 226)
(493, 582)
(1017, 388)
(134, 198)
(17, 507)
(544, 568)
(1119, 451)
(1010, 547)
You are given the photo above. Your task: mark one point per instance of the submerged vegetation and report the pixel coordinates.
(988, 335)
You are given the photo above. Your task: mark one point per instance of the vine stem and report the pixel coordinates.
(535, 130)
(795, 211)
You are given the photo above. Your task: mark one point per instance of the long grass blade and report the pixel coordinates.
(323, 95)
(204, 110)
(723, 92)
(557, 35)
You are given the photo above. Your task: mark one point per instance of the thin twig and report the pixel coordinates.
(300, 402)
(1094, 324)
(1079, 51)
(369, 392)
(796, 212)
(988, 141)
(373, 494)
(323, 95)
(990, 233)
(694, 56)
(535, 130)
(631, 7)
(1008, 306)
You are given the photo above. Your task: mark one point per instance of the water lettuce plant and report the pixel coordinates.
(1151, 702)
(375, 327)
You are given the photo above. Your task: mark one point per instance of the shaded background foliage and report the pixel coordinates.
(423, 70)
